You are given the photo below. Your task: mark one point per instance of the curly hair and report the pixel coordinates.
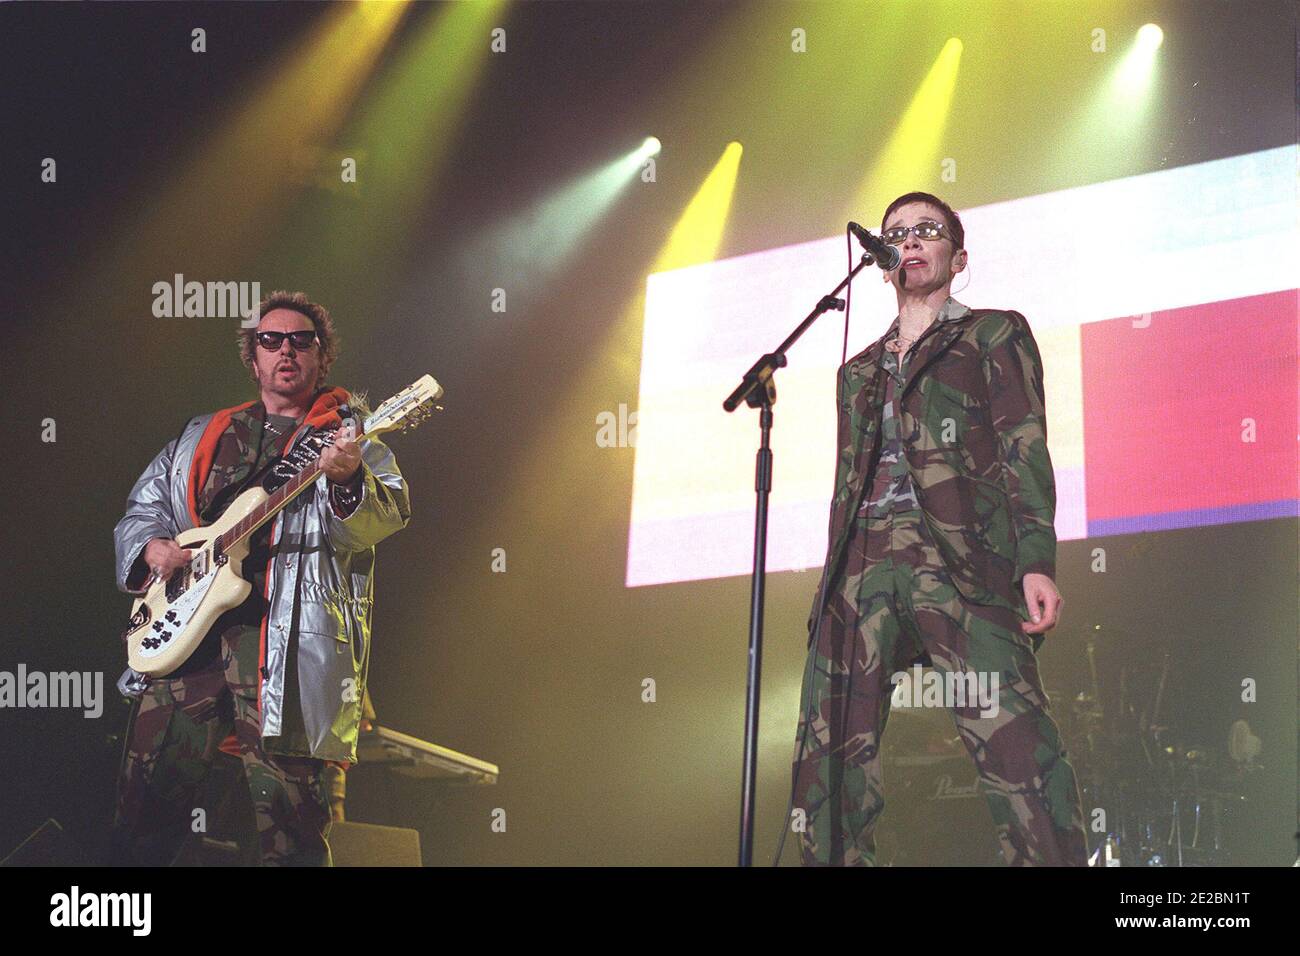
(326, 337)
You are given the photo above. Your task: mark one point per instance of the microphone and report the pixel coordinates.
(887, 257)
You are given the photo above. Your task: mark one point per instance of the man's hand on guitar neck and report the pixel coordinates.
(341, 460)
(163, 556)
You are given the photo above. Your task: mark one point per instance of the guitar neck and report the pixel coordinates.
(269, 508)
(404, 410)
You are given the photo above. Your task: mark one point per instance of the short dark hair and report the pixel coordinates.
(327, 339)
(954, 221)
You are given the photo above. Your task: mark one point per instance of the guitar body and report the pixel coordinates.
(170, 621)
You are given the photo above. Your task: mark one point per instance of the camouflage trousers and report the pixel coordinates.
(894, 605)
(174, 737)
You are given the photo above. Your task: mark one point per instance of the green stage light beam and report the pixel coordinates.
(1134, 76)
(401, 136)
(560, 458)
(1108, 139)
(532, 245)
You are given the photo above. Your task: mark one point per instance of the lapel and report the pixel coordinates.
(950, 324)
(866, 384)
(867, 376)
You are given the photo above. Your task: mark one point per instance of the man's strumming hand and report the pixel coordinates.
(164, 556)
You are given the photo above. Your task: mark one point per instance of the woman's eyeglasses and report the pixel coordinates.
(924, 230)
(271, 341)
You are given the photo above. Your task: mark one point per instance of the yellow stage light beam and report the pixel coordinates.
(570, 505)
(401, 137)
(248, 168)
(910, 159)
(698, 232)
(566, 456)
(695, 238)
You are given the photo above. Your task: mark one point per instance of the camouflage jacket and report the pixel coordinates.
(983, 476)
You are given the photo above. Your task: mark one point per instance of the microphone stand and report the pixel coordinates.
(758, 390)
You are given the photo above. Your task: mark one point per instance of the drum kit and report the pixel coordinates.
(1153, 794)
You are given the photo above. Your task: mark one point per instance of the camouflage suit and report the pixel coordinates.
(182, 723)
(944, 500)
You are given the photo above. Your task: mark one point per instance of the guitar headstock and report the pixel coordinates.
(406, 409)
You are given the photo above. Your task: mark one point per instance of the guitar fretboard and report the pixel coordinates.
(268, 508)
(409, 406)
(259, 515)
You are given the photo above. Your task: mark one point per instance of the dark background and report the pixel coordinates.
(540, 669)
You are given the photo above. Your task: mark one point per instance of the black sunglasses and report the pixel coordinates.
(271, 341)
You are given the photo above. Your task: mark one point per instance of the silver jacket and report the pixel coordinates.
(326, 561)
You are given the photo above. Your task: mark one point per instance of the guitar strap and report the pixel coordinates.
(302, 452)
